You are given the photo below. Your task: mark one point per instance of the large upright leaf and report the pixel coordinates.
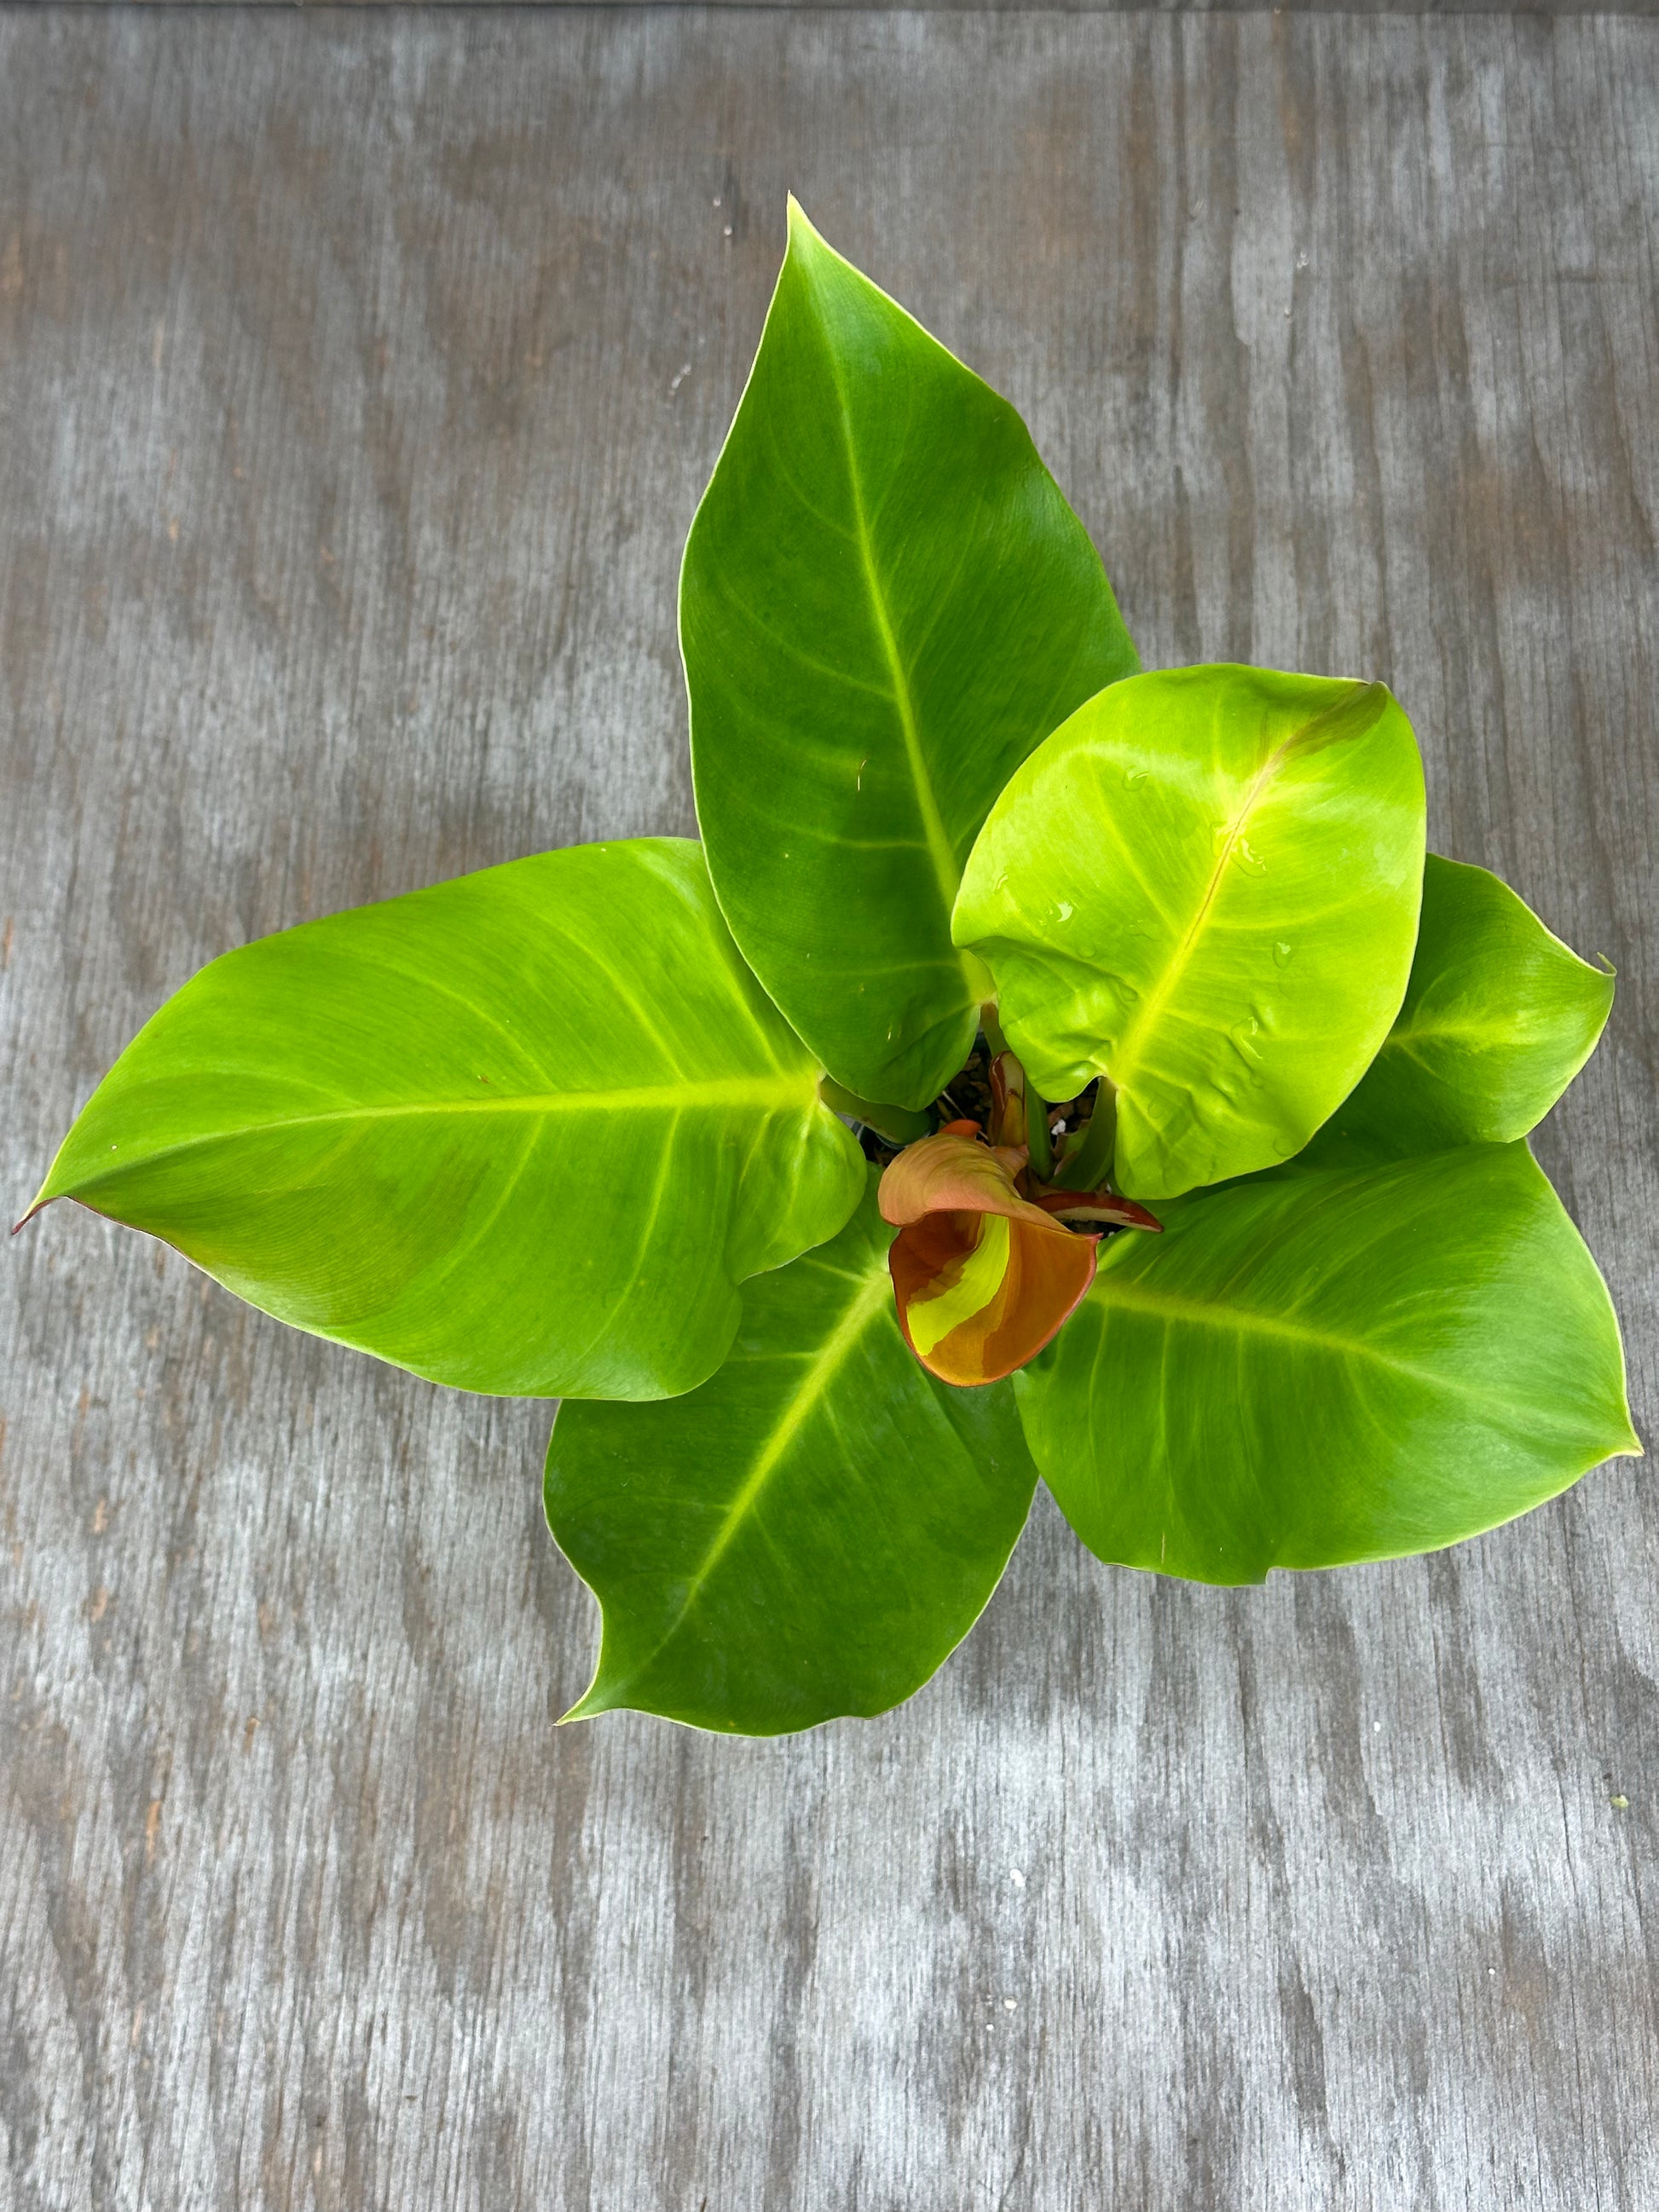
(525, 1133)
(1499, 1018)
(810, 1533)
(885, 604)
(1344, 1366)
(1205, 886)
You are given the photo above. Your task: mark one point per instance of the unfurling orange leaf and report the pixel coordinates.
(984, 1278)
(956, 1172)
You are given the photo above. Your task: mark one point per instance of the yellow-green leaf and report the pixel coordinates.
(1350, 1366)
(1498, 1016)
(812, 1531)
(525, 1133)
(1205, 886)
(885, 605)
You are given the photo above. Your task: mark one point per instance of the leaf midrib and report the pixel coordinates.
(1242, 1321)
(1125, 1064)
(940, 848)
(872, 1297)
(769, 1093)
(1407, 1034)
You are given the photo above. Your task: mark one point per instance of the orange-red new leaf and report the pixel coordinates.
(983, 1278)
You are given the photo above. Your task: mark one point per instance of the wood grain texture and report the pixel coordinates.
(997, 7)
(358, 377)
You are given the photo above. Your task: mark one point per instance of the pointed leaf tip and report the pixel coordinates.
(803, 232)
(42, 1199)
(588, 1707)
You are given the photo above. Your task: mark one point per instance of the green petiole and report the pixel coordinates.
(1088, 1162)
(1038, 1141)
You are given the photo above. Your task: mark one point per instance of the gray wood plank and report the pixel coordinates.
(969, 7)
(357, 379)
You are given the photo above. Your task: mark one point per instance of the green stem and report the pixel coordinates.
(1036, 1135)
(1088, 1163)
(992, 1028)
(897, 1122)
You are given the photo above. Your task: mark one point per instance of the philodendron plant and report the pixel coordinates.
(1041, 1067)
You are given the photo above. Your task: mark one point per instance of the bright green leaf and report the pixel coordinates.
(1205, 885)
(885, 605)
(1499, 1018)
(524, 1133)
(1352, 1365)
(810, 1533)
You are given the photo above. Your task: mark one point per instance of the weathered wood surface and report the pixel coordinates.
(357, 380)
(997, 7)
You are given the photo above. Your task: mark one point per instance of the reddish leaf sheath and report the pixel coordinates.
(1104, 1208)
